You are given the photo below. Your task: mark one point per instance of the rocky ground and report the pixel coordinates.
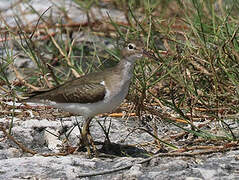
(47, 135)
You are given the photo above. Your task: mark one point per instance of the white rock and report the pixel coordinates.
(51, 138)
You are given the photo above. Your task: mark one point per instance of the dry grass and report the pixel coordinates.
(195, 43)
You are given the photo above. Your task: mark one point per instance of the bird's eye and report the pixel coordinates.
(131, 46)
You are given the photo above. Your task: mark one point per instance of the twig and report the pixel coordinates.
(21, 79)
(173, 154)
(156, 138)
(15, 141)
(66, 56)
(40, 17)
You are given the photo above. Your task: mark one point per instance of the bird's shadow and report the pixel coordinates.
(120, 150)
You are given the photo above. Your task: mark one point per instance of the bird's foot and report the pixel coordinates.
(87, 142)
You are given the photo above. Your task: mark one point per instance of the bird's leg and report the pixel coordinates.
(84, 135)
(87, 139)
(91, 142)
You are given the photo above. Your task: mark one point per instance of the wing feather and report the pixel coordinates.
(81, 90)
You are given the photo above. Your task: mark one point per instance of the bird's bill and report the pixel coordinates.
(149, 55)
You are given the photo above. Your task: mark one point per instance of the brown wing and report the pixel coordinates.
(81, 90)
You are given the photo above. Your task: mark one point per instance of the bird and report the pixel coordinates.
(94, 93)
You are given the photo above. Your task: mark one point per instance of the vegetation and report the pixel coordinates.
(191, 77)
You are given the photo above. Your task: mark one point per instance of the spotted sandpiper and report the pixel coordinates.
(94, 93)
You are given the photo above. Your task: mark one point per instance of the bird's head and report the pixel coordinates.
(133, 51)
